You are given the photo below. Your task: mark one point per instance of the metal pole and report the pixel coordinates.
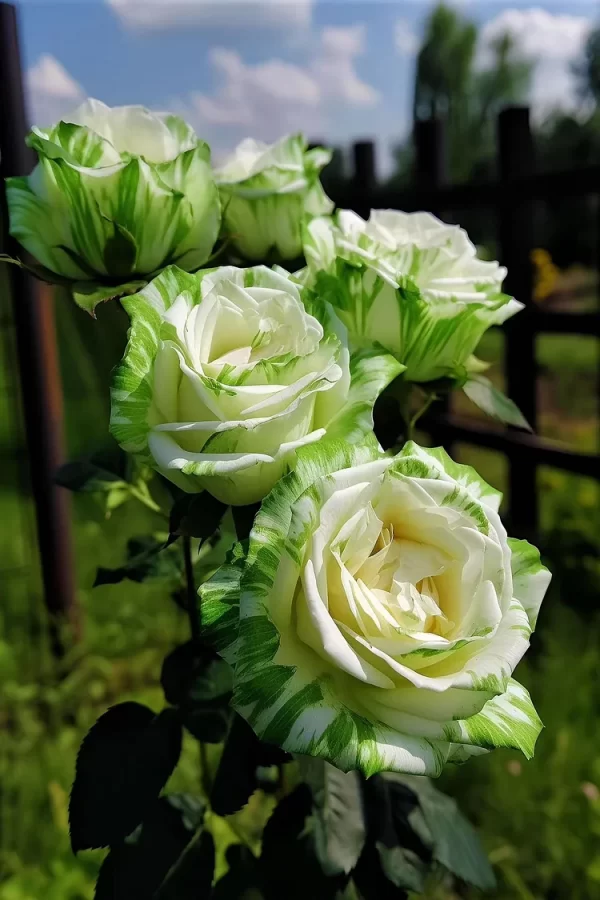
(39, 375)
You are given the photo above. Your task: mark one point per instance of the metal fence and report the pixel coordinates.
(512, 197)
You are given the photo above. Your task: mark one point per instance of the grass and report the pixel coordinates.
(540, 820)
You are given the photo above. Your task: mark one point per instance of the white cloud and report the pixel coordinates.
(51, 91)
(407, 42)
(275, 96)
(161, 14)
(553, 41)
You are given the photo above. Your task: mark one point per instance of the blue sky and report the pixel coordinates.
(339, 70)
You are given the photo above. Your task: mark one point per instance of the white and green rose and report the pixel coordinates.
(410, 283)
(117, 195)
(379, 613)
(229, 371)
(268, 192)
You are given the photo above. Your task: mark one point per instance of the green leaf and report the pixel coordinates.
(101, 471)
(146, 558)
(236, 777)
(123, 763)
(289, 866)
(200, 684)
(455, 843)
(338, 817)
(191, 879)
(397, 855)
(138, 866)
(196, 515)
(88, 294)
(483, 394)
(242, 878)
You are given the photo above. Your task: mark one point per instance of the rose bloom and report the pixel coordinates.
(118, 193)
(379, 613)
(268, 192)
(228, 372)
(410, 283)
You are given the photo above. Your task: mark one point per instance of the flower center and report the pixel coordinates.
(391, 586)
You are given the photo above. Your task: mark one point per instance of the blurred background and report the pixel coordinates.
(344, 72)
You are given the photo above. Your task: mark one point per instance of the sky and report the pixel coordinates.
(339, 70)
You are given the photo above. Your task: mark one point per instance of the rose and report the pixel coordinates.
(379, 614)
(268, 191)
(227, 372)
(117, 194)
(409, 282)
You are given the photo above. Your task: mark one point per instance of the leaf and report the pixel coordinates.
(191, 879)
(242, 877)
(395, 858)
(101, 471)
(138, 866)
(200, 684)
(289, 867)
(196, 515)
(236, 777)
(455, 843)
(122, 765)
(88, 294)
(338, 815)
(372, 881)
(483, 394)
(146, 558)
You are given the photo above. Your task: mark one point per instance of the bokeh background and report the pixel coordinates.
(340, 71)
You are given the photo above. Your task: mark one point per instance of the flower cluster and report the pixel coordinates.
(376, 614)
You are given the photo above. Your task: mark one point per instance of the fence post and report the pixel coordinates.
(431, 172)
(363, 153)
(37, 356)
(429, 139)
(516, 235)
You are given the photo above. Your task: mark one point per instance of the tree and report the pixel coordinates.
(449, 83)
(587, 69)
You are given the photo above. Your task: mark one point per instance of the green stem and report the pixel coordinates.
(412, 422)
(143, 495)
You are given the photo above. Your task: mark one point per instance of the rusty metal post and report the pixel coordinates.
(40, 385)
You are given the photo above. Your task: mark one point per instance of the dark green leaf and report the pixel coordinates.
(200, 683)
(146, 558)
(456, 844)
(98, 472)
(140, 865)
(371, 880)
(243, 875)
(122, 765)
(196, 515)
(191, 878)
(137, 867)
(487, 397)
(236, 777)
(338, 815)
(289, 867)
